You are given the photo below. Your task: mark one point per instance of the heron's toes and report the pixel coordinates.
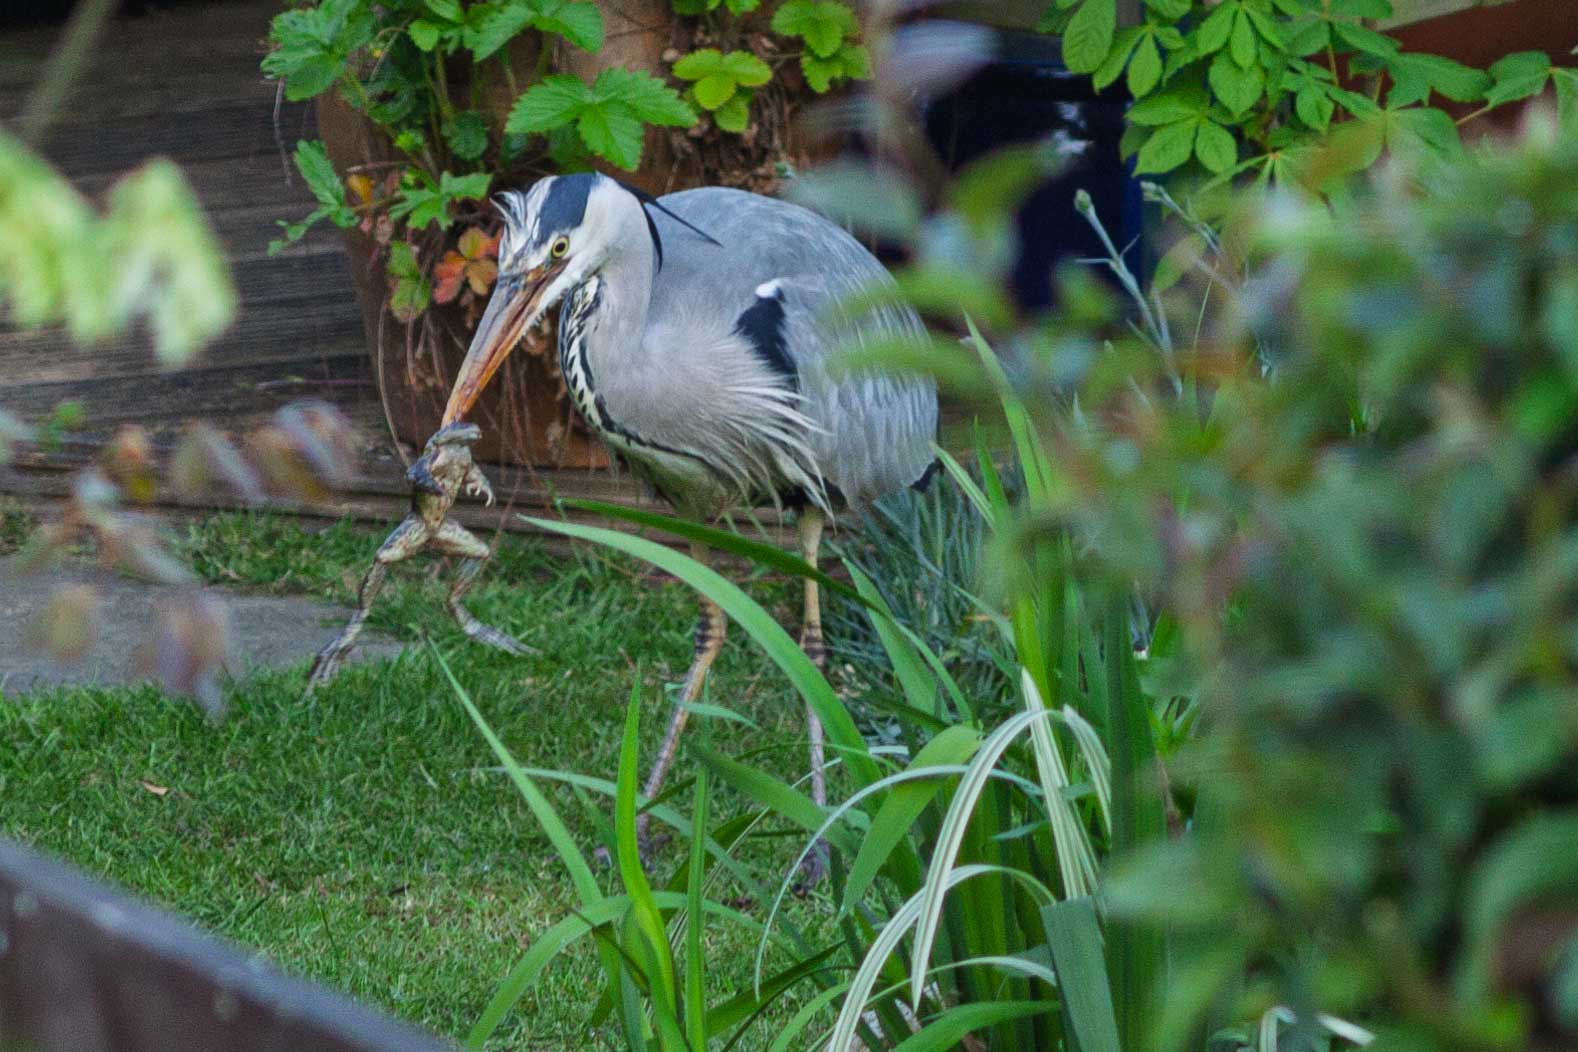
(813, 869)
(648, 848)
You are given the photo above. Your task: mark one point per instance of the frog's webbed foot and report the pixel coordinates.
(331, 657)
(482, 633)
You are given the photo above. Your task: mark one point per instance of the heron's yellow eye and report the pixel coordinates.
(560, 247)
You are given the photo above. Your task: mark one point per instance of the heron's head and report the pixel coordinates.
(555, 235)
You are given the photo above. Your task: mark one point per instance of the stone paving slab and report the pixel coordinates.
(273, 631)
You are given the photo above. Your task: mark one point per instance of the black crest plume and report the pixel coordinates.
(648, 201)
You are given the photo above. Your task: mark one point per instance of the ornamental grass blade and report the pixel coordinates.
(543, 950)
(968, 486)
(1136, 951)
(552, 825)
(647, 919)
(919, 670)
(695, 960)
(895, 819)
(1074, 937)
(802, 1018)
(750, 1002)
(759, 552)
(950, 836)
(842, 733)
(950, 1028)
(780, 798)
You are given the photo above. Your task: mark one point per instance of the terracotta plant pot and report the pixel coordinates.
(523, 413)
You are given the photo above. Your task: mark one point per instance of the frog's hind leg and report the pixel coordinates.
(406, 540)
(454, 539)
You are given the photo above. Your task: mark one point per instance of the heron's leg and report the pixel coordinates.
(810, 528)
(455, 539)
(711, 626)
(406, 539)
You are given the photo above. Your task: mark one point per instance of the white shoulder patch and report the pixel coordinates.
(770, 290)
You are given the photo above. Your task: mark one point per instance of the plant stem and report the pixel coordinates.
(87, 19)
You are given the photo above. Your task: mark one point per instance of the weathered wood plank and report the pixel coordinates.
(84, 968)
(216, 393)
(257, 338)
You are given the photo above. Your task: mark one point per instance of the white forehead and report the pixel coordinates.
(581, 207)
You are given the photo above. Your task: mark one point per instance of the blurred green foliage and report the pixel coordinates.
(1238, 86)
(1368, 559)
(149, 258)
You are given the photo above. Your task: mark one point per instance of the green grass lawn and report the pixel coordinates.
(364, 838)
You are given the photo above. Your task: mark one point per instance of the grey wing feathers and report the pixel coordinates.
(876, 430)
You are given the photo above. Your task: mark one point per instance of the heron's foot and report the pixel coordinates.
(648, 847)
(490, 636)
(813, 869)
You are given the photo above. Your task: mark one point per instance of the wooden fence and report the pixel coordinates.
(87, 969)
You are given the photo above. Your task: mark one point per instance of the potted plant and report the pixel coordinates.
(426, 107)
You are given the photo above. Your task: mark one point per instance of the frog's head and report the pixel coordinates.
(462, 434)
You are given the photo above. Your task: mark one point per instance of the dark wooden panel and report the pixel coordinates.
(87, 969)
(218, 394)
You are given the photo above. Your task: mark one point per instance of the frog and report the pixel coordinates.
(438, 477)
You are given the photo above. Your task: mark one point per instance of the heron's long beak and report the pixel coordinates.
(516, 305)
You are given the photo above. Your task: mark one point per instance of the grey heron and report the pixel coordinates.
(695, 336)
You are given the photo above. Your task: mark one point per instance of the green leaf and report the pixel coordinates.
(1314, 106)
(578, 21)
(1171, 10)
(1089, 35)
(554, 102)
(424, 34)
(698, 64)
(695, 959)
(820, 72)
(448, 10)
(951, 1026)
(1518, 76)
(899, 812)
(649, 98)
(1145, 72)
(1235, 87)
(1213, 33)
(613, 132)
(1566, 81)
(317, 171)
(1216, 147)
(714, 90)
(467, 135)
(1309, 37)
(411, 293)
(1414, 76)
(1113, 65)
(822, 24)
(734, 115)
(747, 69)
(1431, 127)
(782, 799)
(1242, 42)
(1365, 40)
(755, 622)
(657, 962)
(1176, 103)
(1074, 938)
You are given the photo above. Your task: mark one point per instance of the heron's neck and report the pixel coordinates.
(601, 330)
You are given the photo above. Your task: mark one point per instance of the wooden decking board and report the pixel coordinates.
(185, 84)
